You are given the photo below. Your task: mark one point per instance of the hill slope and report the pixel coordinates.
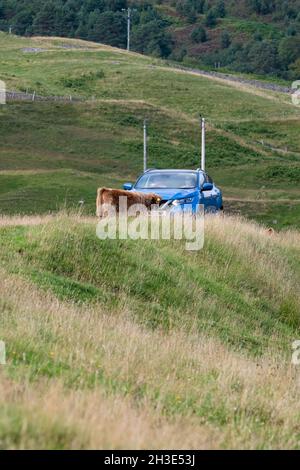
(141, 345)
(257, 36)
(52, 154)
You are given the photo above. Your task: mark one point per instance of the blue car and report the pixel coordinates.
(180, 189)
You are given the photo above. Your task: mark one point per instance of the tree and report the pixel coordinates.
(189, 9)
(289, 50)
(220, 9)
(295, 70)
(179, 55)
(255, 5)
(263, 57)
(199, 6)
(23, 22)
(267, 6)
(225, 40)
(192, 17)
(211, 19)
(152, 38)
(199, 35)
(257, 36)
(45, 22)
(291, 31)
(262, 7)
(108, 27)
(115, 5)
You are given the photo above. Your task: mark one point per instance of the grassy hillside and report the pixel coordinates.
(54, 154)
(143, 345)
(249, 36)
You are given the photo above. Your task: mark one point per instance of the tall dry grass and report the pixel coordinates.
(91, 377)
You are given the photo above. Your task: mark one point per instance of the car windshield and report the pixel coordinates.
(166, 180)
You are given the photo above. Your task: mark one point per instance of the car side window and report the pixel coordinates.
(208, 179)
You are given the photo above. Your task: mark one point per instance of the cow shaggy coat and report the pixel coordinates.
(107, 197)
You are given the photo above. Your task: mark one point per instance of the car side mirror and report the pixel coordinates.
(128, 186)
(207, 187)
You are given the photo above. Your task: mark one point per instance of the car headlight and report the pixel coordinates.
(179, 202)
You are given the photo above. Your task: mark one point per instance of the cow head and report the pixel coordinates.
(155, 199)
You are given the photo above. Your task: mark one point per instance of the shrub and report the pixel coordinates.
(199, 35)
(211, 19)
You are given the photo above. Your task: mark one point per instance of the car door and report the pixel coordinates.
(209, 198)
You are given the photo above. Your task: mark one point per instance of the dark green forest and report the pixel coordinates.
(250, 36)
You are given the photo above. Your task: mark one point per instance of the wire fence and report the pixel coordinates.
(33, 96)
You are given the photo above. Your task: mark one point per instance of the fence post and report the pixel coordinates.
(2, 353)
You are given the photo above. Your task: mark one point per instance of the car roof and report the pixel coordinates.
(155, 170)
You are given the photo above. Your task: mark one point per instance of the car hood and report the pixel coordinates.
(167, 194)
